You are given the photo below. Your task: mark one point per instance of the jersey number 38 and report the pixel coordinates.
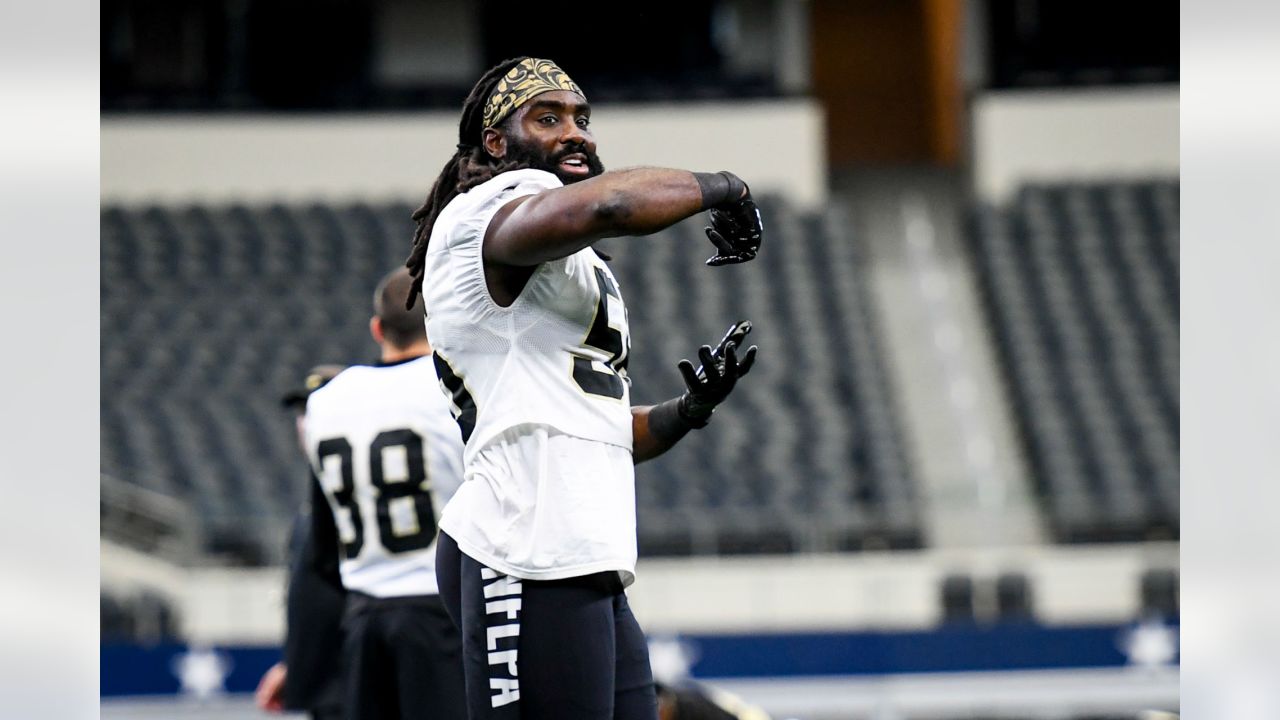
(403, 506)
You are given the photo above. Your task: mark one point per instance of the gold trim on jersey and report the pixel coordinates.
(529, 78)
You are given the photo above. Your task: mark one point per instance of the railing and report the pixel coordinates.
(147, 520)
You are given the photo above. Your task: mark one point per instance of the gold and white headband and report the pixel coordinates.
(530, 77)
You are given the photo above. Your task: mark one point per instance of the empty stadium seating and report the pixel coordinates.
(1081, 283)
(210, 313)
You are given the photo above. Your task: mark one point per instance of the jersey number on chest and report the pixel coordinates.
(398, 472)
(609, 339)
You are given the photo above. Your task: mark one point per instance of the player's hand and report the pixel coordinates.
(711, 383)
(268, 696)
(736, 231)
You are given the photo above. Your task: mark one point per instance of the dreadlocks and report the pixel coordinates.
(469, 166)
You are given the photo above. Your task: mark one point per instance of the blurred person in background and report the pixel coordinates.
(531, 338)
(308, 677)
(386, 455)
(690, 701)
(681, 697)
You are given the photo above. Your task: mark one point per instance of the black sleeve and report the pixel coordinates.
(322, 553)
(313, 606)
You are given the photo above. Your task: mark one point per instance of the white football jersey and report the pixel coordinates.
(553, 362)
(388, 455)
(556, 356)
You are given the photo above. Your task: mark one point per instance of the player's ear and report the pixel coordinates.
(375, 329)
(495, 142)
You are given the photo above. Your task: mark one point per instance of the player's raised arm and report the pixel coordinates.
(636, 201)
(656, 428)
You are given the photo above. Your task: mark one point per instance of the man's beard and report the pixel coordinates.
(529, 155)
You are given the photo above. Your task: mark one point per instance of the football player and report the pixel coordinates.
(387, 456)
(531, 340)
(309, 675)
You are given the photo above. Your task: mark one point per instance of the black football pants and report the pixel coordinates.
(403, 660)
(546, 650)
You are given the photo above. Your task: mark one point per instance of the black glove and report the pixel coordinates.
(736, 231)
(711, 383)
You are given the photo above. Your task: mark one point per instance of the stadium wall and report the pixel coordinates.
(880, 590)
(1020, 136)
(778, 145)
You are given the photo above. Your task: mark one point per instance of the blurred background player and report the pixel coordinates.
(308, 677)
(691, 701)
(387, 455)
(532, 341)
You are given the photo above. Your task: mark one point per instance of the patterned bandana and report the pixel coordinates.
(530, 77)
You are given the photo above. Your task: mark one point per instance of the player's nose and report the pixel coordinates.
(574, 135)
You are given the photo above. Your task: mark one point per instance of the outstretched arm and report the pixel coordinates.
(655, 429)
(646, 444)
(637, 201)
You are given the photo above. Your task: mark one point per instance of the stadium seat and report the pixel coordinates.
(1013, 597)
(1159, 591)
(1080, 282)
(957, 599)
(210, 312)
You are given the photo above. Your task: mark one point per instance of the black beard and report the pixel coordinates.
(530, 156)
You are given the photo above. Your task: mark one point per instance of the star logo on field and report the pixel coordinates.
(671, 659)
(202, 672)
(1150, 644)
